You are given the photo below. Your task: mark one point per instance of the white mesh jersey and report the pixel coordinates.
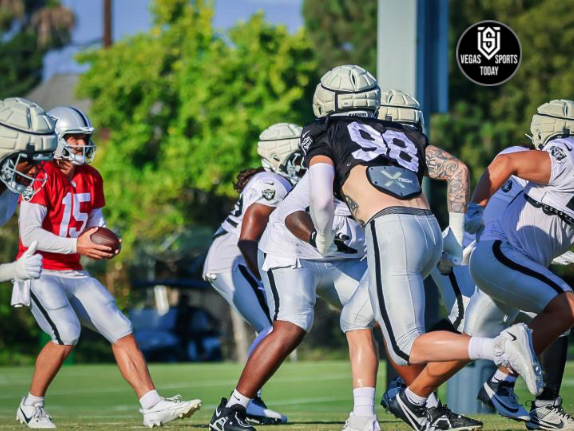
(540, 236)
(500, 200)
(279, 242)
(266, 188)
(8, 204)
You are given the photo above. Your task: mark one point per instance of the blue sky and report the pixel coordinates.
(132, 16)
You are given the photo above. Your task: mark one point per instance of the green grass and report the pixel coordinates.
(314, 395)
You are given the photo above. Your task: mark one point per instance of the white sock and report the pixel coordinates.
(432, 401)
(481, 348)
(150, 399)
(237, 398)
(414, 398)
(32, 399)
(540, 403)
(501, 376)
(364, 402)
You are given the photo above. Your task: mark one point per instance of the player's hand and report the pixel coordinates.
(339, 242)
(473, 222)
(29, 266)
(323, 243)
(452, 252)
(86, 247)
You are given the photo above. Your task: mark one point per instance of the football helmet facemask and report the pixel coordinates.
(27, 138)
(345, 89)
(401, 107)
(554, 119)
(280, 149)
(72, 121)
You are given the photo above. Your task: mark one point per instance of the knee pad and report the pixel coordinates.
(352, 320)
(400, 347)
(69, 334)
(117, 326)
(302, 320)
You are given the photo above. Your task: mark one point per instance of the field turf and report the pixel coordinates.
(314, 395)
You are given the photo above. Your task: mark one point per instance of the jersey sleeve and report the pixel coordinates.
(562, 160)
(315, 142)
(99, 200)
(298, 199)
(267, 192)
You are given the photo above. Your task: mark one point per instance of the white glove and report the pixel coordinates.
(473, 222)
(452, 252)
(323, 243)
(29, 266)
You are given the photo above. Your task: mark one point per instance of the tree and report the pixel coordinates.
(184, 107)
(342, 32)
(28, 30)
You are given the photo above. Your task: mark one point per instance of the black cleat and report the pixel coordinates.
(442, 418)
(259, 413)
(413, 415)
(394, 387)
(229, 418)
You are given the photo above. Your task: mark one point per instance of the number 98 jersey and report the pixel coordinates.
(68, 203)
(352, 141)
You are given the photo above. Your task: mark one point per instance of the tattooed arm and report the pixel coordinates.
(442, 165)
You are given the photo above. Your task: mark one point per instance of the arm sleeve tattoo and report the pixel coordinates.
(442, 165)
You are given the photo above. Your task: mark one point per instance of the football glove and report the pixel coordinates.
(323, 243)
(452, 252)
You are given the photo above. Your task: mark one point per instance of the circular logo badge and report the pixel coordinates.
(489, 53)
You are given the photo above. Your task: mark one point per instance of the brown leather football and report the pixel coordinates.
(106, 237)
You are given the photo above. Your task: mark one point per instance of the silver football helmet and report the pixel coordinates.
(345, 89)
(552, 120)
(70, 120)
(280, 150)
(401, 107)
(26, 135)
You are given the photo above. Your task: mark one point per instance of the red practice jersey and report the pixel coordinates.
(69, 204)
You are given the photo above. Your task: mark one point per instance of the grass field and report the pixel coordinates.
(314, 395)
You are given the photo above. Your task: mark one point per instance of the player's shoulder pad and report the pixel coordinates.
(410, 132)
(560, 149)
(311, 131)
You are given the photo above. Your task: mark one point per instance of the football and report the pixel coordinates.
(106, 237)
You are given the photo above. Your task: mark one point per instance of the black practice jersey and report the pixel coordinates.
(352, 141)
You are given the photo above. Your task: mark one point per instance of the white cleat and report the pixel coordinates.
(550, 417)
(34, 416)
(258, 412)
(362, 423)
(169, 409)
(513, 349)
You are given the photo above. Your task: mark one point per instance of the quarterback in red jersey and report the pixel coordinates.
(61, 217)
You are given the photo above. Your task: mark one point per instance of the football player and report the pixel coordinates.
(510, 263)
(27, 140)
(456, 286)
(458, 290)
(231, 263)
(377, 167)
(61, 217)
(294, 273)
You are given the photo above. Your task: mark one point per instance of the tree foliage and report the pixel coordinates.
(342, 32)
(184, 106)
(28, 30)
(484, 120)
